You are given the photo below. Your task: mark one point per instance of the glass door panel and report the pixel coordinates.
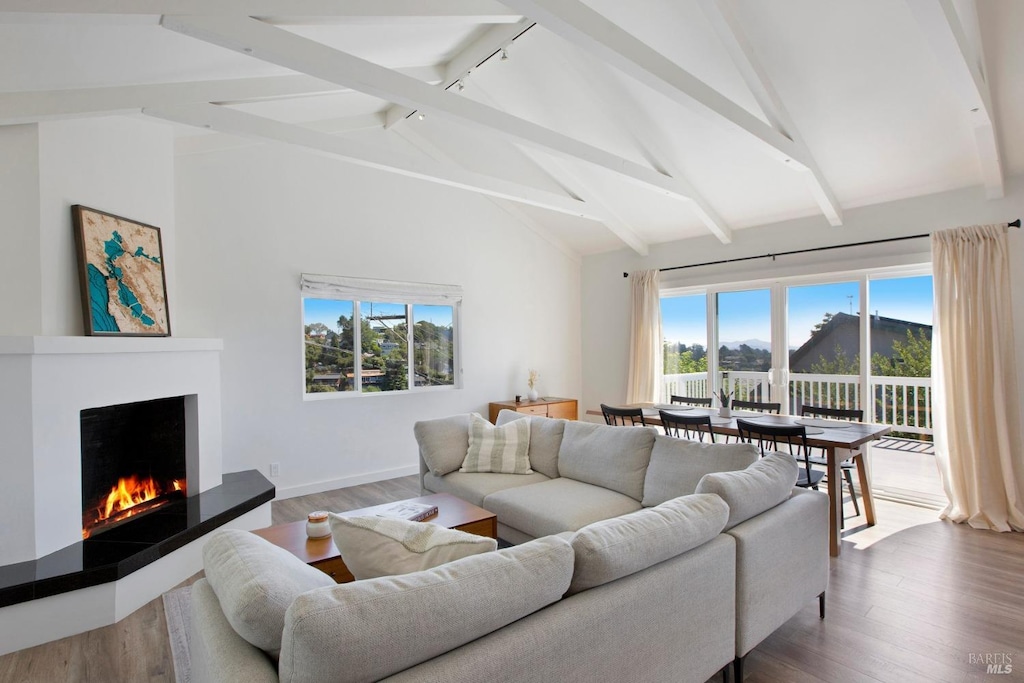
(745, 343)
(823, 327)
(684, 327)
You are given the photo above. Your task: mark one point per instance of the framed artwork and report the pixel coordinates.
(121, 272)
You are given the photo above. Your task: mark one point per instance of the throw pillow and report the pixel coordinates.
(545, 440)
(255, 581)
(502, 449)
(751, 491)
(443, 442)
(374, 546)
(677, 465)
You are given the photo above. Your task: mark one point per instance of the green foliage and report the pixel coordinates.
(683, 359)
(839, 365)
(912, 358)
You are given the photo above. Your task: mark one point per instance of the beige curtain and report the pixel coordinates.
(645, 352)
(976, 406)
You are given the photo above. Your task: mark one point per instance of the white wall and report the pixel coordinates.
(119, 165)
(251, 220)
(606, 293)
(19, 257)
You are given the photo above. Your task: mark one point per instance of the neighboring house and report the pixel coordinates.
(842, 331)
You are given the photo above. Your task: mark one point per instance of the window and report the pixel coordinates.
(407, 335)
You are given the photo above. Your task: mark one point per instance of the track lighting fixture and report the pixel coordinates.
(422, 116)
(504, 55)
(460, 85)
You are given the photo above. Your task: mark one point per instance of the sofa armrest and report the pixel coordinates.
(782, 564)
(218, 654)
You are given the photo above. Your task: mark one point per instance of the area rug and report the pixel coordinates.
(178, 615)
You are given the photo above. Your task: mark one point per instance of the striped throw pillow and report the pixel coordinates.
(504, 449)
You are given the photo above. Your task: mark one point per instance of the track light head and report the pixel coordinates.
(504, 55)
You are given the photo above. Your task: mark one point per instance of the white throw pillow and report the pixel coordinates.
(374, 546)
(504, 449)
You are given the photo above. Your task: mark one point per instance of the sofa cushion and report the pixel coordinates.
(751, 491)
(473, 488)
(443, 442)
(613, 548)
(556, 505)
(615, 458)
(373, 546)
(545, 440)
(677, 465)
(502, 449)
(255, 581)
(368, 630)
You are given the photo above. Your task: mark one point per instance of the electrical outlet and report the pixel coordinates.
(275, 469)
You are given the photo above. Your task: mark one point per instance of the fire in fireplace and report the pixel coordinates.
(133, 461)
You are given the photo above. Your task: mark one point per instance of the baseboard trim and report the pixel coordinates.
(343, 482)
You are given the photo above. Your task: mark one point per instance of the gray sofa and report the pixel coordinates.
(643, 581)
(585, 472)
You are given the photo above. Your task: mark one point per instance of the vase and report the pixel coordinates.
(724, 412)
(532, 394)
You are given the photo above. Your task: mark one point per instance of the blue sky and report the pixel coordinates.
(327, 311)
(746, 315)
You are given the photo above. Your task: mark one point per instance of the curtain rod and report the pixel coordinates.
(1011, 224)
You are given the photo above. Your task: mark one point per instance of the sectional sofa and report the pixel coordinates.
(656, 560)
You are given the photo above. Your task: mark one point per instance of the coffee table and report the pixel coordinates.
(452, 513)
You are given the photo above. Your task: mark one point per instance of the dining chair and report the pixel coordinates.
(758, 406)
(618, 417)
(847, 465)
(690, 400)
(675, 423)
(769, 437)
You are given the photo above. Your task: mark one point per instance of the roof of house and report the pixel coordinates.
(838, 320)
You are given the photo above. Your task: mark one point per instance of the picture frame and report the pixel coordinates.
(121, 274)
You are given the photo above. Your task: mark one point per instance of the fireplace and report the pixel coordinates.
(133, 461)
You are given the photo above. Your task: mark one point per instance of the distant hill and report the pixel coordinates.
(759, 344)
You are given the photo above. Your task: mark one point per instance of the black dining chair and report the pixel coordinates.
(846, 466)
(676, 424)
(619, 417)
(760, 407)
(690, 400)
(794, 438)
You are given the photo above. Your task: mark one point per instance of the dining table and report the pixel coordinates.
(838, 439)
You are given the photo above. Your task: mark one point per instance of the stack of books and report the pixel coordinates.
(414, 512)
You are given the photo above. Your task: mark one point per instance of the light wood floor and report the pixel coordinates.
(910, 599)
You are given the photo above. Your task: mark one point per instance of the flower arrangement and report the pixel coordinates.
(532, 379)
(724, 398)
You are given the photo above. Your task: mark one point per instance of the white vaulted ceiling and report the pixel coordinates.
(610, 124)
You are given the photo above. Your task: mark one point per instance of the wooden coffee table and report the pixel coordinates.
(452, 512)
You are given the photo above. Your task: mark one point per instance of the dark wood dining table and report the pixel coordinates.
(834, 437)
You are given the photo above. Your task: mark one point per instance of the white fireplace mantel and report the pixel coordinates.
(45, 383)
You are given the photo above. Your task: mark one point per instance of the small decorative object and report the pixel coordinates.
(121, 269)
(317, 525)
(532, 383)
(518, 398)
(724, 400)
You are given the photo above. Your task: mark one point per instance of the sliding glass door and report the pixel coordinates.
(744, 343)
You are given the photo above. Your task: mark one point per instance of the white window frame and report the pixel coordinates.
(360, 290)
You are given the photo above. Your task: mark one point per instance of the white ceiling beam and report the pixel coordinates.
(223, 119)
(962, 67)
(217, 142)
(575, 22)
(462, 64)
(415, 139)
(629, 116)
(727, 26)
(356, 11)
(40, 105)
(281, 47)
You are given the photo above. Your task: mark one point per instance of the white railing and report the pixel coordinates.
(903, 402)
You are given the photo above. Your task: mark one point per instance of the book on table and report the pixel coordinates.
(414, 512)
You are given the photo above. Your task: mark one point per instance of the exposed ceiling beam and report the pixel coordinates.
(593, 33)
(414, 138)
(361, 11)
(723, 19)
(223, 119)
(462, 64)
(963, 68)
(278, 46)
(633, 119)
(216, 142)
(31, 106)
(578, 187)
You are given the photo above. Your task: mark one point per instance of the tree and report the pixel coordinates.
(912, 358)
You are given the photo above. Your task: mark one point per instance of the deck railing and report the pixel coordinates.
(903, 402)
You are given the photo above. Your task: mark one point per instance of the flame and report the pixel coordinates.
(126, 496)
